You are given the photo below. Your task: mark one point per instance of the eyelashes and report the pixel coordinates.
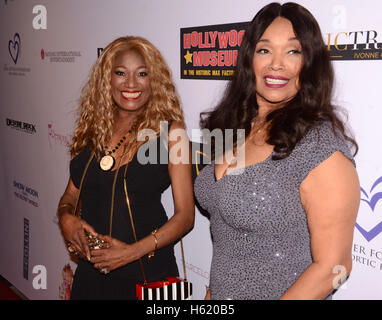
(265, 51)
(262, 51)
(139, 74)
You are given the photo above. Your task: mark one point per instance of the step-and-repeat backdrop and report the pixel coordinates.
(46, 50)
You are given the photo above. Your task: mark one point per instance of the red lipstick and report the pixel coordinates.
(275, 82)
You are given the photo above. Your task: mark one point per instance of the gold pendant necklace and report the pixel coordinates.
(108, 161)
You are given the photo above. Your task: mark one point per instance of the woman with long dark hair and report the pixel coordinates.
(282, 217)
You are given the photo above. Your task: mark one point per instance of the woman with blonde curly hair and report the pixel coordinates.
(129, 91)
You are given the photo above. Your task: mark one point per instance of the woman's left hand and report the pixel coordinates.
(115, 256)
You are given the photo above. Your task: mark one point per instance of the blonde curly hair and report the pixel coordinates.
(96, 110)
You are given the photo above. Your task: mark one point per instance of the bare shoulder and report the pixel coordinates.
(176, 125)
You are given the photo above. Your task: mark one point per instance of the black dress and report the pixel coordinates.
(145, 185)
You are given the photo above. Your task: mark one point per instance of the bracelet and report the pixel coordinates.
(63, 206)
(152, 253)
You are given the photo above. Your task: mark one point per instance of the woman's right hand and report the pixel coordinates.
(72, 227)
(73, 230)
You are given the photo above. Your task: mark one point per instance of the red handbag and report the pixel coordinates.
(172, 288)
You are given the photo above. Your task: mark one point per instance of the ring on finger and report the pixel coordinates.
(72, 250)
(104, 270)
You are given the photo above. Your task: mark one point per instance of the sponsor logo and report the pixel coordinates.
(25, 193)
(371, 198)
(355, 45)
(368, 257)
(57, 138)
(60, 56)
(200, 272)
(365, 254)
(14, 47)
(26, 249)
(210, 52)
(21, 126)
(66, 284)
(14, 50)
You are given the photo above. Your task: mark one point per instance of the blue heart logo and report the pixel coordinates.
(375, 198)
(372, 202)
(14, 47)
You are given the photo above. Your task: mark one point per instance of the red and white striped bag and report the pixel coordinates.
(172, 288)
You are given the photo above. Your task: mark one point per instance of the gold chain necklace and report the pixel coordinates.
(261, 127)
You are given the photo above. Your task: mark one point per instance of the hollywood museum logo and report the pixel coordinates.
(210, 52)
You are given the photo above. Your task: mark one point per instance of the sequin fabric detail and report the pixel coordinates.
(261, 241)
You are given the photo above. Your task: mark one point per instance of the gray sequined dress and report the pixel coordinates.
(261, 241)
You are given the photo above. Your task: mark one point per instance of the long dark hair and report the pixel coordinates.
(312, 104)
